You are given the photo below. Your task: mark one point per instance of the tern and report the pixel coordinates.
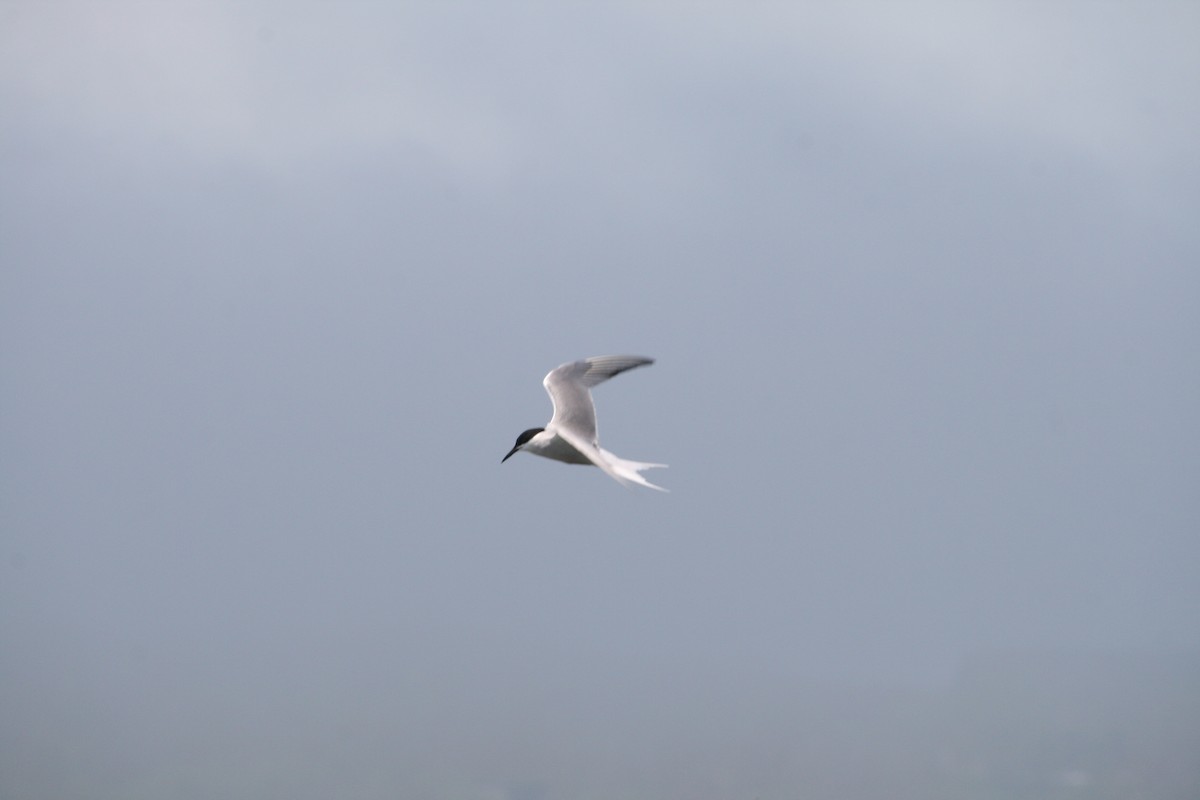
(570, 435)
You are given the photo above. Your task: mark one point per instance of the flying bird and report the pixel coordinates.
(570, 435)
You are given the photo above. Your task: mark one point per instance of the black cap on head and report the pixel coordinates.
(521, 440)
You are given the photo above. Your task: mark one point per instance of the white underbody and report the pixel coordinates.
(549, 444)
(566, 447)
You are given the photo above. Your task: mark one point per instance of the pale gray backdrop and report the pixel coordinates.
(278, 286)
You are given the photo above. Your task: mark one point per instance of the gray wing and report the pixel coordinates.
(569, 385)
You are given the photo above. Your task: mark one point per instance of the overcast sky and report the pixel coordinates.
(279, 283)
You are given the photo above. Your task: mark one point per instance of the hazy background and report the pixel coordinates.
(278, 286)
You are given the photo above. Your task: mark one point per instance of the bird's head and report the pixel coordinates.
(522, 440)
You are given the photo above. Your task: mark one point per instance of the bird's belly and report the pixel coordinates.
(561, 450)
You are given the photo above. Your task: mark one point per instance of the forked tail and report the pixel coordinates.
(629, 471)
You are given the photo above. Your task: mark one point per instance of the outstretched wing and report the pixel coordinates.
(569, 389)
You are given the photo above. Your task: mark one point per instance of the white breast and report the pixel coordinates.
(549, 445)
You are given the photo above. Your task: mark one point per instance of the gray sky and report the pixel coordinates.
(279, 283)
